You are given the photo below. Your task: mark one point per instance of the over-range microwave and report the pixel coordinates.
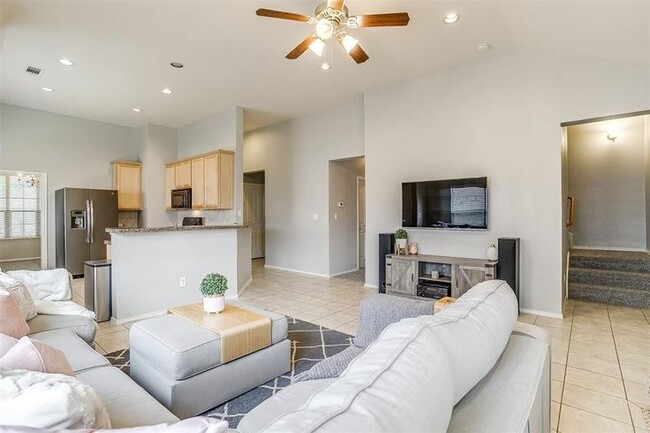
(182, 198)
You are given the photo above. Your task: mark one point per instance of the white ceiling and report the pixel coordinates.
(122, 51)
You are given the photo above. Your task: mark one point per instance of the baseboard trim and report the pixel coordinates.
(136, 318)
(541, 313)
(19, 260)
(244, 287)
(344, 272)
(296, 271)
(370, 286)
(635, 250)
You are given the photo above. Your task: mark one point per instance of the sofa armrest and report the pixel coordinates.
(376, 312)
(532, 331)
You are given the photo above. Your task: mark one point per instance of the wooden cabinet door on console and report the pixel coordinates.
(467, 277)
(403, 277)
(184, 174)
(198, 183)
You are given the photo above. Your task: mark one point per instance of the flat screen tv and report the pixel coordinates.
(445, 204)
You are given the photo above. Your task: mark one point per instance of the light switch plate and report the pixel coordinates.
(315, 216)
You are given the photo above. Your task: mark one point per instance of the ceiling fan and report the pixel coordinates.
(331, 19)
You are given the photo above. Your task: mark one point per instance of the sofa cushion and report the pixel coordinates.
(397, 384)
(79, 354)
(33, 355)
(82, 326)
(474, 330)
(286, 401)
(49, 401)
(180, 348)
(53, 284)
(18, 289)
(13, 323)
(128, 405)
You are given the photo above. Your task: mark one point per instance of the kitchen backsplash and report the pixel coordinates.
(211, 217)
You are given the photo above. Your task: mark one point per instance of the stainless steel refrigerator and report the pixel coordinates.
(81, 219)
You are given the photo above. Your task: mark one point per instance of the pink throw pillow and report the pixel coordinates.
(32, 355)
(12, 322)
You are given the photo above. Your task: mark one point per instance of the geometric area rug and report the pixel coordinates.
(310, 344)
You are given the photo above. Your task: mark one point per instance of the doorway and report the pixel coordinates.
(23, 220)
(254, 211)
(347, 218)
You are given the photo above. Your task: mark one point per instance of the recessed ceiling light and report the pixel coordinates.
(47, 89)
(66, 62)
(167, 91)
(177, 65)
(136, 109)
(483, 48)
(325, 66)
(451, 18)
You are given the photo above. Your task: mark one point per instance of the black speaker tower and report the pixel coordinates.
(508, 266)
(386, 245)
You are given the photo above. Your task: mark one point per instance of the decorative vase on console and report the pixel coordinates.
(213, 287)
(492, 254)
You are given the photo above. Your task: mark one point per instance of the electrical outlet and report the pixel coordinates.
(182, 282)
(336, 216)
(315, 216)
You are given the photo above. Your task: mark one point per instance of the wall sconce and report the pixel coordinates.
(612, 136)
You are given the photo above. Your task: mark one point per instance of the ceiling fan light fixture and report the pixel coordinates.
(324, 29)
(349, 43)
(353, 22)
(325, 66)
(317, 47)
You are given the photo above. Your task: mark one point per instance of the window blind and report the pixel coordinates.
(20, 212)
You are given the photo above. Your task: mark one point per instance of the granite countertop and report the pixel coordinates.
(124, 230)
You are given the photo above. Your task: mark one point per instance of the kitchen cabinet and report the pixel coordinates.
(127, 181)
(198, 183)
(170, 184)
(183, 174)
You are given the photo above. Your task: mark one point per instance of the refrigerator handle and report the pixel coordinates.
(87, 221)
(92, 221)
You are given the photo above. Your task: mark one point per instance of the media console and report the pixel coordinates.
(410, 275)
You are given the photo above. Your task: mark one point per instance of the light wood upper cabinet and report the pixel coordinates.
(198, 183)
(170, 184)
(184, 174)
(127, 181)
(211, 177)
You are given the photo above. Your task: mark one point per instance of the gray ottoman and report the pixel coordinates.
(179, 362)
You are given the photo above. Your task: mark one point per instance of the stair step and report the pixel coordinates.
(608, 278)
(610, 295)
(631, 261)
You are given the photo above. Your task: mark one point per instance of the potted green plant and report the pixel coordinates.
(400, 237)
(213, 287)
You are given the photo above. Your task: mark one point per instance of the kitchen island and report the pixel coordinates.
(157, 268)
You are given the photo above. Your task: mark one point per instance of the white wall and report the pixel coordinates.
(295, 156)
(223, 130)
(608, 182)
(499, 117)
(158, 145)
(646, 140)
(73, 152)
(343, 230)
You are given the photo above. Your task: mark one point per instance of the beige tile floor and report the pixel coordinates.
(600, 353)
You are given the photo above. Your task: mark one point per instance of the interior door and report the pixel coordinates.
(362, 222)
(254, 217)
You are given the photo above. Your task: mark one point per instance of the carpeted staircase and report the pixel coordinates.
(612, 277)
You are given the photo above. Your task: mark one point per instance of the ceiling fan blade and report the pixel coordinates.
(335, 4)
(269, 13)
(301, 48)
(358, 55)
(383, 20)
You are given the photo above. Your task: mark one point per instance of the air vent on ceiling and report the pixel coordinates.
(34, 70)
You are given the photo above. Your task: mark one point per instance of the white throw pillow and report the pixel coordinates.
(474, 331)
(399, 384)
(49, 401)
(53, 284)
(20, 292)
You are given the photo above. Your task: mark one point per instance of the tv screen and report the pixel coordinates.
(445, 204)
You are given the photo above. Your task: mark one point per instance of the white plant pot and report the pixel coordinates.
(401, 243)
(213, 304)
